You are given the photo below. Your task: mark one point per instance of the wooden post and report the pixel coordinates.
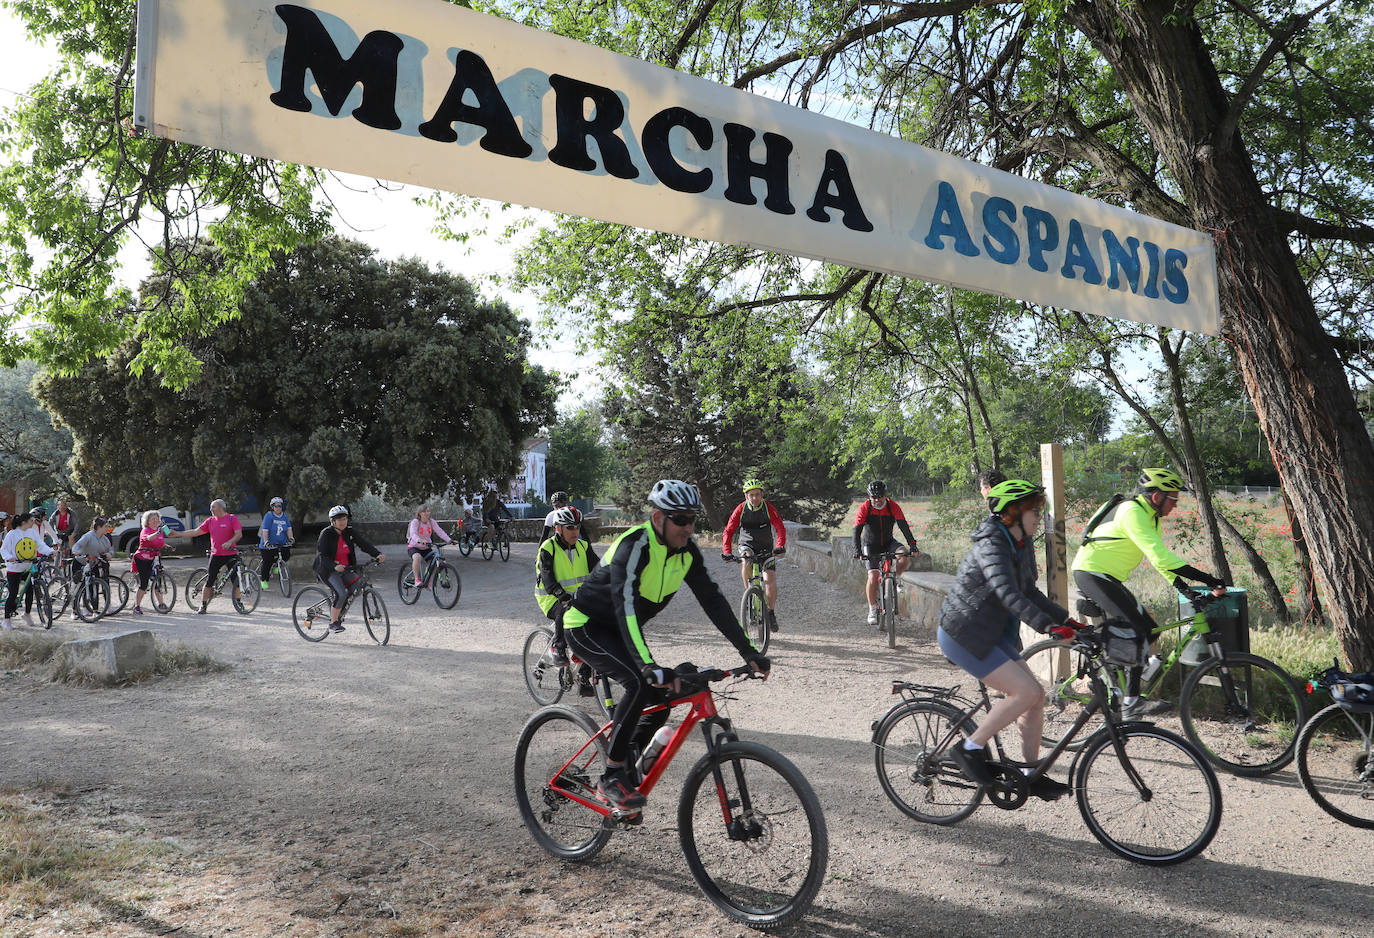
(1057, 585)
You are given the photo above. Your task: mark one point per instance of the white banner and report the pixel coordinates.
(425, 92)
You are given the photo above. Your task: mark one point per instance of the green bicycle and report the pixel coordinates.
(1242, 711)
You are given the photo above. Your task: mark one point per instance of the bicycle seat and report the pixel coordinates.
(1090, 609)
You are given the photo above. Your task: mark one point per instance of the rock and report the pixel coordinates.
(111, 657)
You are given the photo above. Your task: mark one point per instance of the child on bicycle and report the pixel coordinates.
(22, 544)
(980, 621)
(562, 563)
(335, 552)
(420, 541)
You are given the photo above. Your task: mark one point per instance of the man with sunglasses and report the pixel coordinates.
(641, 573)
(1121, 534)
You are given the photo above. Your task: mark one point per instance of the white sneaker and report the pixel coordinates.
(872, 617)
(28, 620)
(6, 624)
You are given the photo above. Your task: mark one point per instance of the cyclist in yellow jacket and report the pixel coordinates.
(563, 561)
(1124, 532)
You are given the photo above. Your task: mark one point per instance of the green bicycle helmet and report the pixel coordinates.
(750, 485)
(1160, 480)
(1005, 494)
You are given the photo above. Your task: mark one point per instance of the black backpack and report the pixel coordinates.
(1098, 517)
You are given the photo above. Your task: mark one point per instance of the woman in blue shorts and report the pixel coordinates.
(980, 621)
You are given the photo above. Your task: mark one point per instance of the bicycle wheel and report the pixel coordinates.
(91, 599)
(1057, 665)
(753, 616)
(163, 585)
(42, 601)
(542, 676)
(119, 594)
(464, 545)
(250, 589)
(284, 578)
(195, 588)
(488, 548)
(1254, 734)
(887, 606)
(59, 596)
(310, 613)
(559, 754)
(376, 617)
(1172, 820)
(1334, 764)
(504, 546)
(405, 585)
(909, 754)
(447, 586)
(764, 863)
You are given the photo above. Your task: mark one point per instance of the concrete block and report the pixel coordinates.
(112, 657)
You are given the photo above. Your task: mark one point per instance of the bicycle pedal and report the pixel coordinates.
(630, 817)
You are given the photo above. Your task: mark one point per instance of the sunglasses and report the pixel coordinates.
(574, 524)
(682, 521)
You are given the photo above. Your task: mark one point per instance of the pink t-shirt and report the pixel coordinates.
(220, 530)
(150, 543)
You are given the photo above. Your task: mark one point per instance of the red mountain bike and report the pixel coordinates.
(751, 827)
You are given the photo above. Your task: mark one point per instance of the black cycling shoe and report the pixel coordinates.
(1145, 707)
(1047, 789)
(614, 787)
(772, 620)
(973, 763)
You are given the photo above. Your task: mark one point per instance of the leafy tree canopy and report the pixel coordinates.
(342, 371)
(581, 461)
(33, 452)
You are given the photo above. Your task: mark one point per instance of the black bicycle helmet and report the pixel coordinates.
(559, 498)
(877, 488)
(675, 495)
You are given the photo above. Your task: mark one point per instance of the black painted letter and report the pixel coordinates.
(470, 73)
(656, 150)
(739, 169)
(845, 199)
(574, 128)
(372, 64)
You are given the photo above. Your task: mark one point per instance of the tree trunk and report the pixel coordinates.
(1197, 472)
(1305, 407)
(1309, 603)
(1262, 572)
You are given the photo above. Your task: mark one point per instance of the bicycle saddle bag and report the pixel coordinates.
(1089, 609)
(1357, 694)
(1122, 645)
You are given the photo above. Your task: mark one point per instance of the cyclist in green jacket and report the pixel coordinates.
(643, 570)
(561, 564)
(1124, 532)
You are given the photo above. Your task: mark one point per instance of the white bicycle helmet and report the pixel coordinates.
(336, 511)
(675, 495)
(275, 502)
(565, 516)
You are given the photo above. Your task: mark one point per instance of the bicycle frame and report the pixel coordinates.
(701, 710)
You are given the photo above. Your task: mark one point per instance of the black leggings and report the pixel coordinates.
(12, 600)
(1117, 602)
(270, 556)
(606, 653)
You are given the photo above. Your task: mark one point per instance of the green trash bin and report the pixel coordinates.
(1229, 617)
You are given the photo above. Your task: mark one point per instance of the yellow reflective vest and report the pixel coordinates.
(559, 571)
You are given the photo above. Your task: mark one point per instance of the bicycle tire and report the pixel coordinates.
(375, 616)
(1056, 665)
(59, 593)
(908, 755)
(405, 585)
(446, 585)
(1183, 797)
(542, 676)
(91, 599)
(284, 578)
(753, 616)
(250, 589)
(504, 546)
(195, 588)
(548, 748)
(1335, 756)
(119, 594)
(888, 609)
(308, 616)
(42, 598)
(164, 584)
(487, 547)
(464, 545)
(764, 868)
(1257, 739)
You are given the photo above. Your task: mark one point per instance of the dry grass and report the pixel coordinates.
(37, 653)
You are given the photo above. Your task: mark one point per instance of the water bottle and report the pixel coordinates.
(655, 747)
(1151, 668)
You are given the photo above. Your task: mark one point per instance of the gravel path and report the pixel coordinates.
(346, 789)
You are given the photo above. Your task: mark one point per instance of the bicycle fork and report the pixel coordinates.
(741, 823)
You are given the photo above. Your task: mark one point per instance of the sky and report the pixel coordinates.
(383, 215)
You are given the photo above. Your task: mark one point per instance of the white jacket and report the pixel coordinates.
(14, 565)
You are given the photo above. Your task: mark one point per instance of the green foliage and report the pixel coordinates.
(581, 462)
(342, 371)
(33, 452)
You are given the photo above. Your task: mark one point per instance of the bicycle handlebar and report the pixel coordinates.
(751, 555)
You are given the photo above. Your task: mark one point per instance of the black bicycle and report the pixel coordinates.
(753, 604)
(279, 566)
(436, 575)
(1336, 748)
(1145, 793)
(495, 540)
(242, 583)
(310, 611)
(95, 593)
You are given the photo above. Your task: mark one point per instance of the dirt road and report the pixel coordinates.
(347, 789)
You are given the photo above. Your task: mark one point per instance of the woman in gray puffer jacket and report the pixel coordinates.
(994, 591)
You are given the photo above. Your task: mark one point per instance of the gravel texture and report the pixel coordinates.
(347, 789)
